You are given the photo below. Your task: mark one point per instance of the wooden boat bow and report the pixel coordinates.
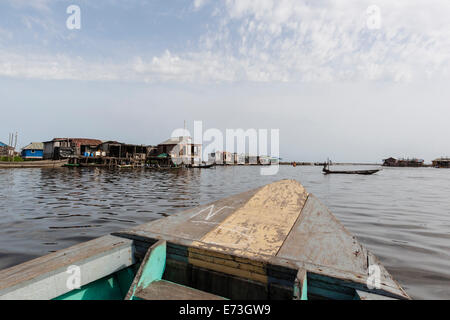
(273, 242)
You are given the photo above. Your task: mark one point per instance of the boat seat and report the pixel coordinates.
(149, 285)
(166, 290)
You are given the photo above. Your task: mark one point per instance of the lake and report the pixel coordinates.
(402, 215)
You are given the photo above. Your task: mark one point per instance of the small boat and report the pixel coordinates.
(71, 165)
(326, 170)
(274, 242)
(34, 164)
(364, 172)
(124, 166)
(158, 167)
(203, 165)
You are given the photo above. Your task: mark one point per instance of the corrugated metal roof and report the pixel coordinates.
(34, 146)
(86, 142)
(177, 140)
(79, 141)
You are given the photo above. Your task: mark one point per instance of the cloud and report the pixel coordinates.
(199, 3)
(40, 5)
(5, 34)
(57, 67)
(282, 41)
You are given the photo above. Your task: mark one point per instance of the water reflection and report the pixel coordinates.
(400, 214)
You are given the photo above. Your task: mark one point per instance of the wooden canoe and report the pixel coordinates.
(203, 166)
(34, 164)
(364, 172)
(274, 242)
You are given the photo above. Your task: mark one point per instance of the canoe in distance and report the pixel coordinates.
(274, 242)
(364, 172)
(203, 166)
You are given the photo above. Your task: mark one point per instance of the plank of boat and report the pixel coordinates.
(265, 236)
(47, 277)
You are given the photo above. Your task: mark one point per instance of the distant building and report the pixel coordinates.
(266, 160)
(240, 158)
(62, 148)
(181, 150)
(5, 150)
(223, 157)
(410, 162)
(251, 159)
(441, 163)
(123, 150)
(228, 157)
(216, 157)
(34, 150)
(392, 162)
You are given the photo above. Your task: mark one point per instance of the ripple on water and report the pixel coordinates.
(400, 214)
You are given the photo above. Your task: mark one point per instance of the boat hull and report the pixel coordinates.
(34, 164)
(362, 172)
(274, 242)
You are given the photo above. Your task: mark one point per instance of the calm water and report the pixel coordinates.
(401, 214)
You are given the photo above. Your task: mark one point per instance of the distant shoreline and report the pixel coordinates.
(284, 163)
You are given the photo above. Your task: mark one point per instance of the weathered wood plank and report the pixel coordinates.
(195, 223)
(363, 295)
(319, 238)
(385, 277)
(261, 225)
(46, 277)
(165, 290)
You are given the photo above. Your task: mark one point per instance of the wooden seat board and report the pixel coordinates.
(166, 290)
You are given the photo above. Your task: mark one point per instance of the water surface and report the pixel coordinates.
(401, 214)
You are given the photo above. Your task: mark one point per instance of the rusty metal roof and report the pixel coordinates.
(34, 146)
(79, 141)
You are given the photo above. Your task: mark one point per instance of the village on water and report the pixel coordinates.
(175, 152)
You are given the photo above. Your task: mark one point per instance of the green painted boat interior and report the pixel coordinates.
(124, 283)
(112, 287)
(151, 269)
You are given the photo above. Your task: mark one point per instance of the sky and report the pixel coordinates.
(350, 80)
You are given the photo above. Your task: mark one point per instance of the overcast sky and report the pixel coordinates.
(334, 79)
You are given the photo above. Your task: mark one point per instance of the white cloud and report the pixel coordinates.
(40, 5)
(199, 3)
(284, 41)
(5, 34)
(59, 67)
